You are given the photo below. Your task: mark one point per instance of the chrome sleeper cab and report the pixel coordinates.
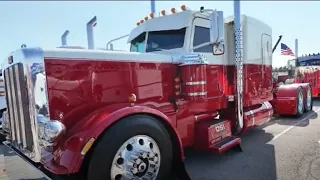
(27, 121)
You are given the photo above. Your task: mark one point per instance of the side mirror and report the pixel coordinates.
(218, 49)
(217, 32)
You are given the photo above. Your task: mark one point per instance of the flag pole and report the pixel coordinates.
(296, 48)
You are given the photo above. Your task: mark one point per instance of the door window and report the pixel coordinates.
(201, 35)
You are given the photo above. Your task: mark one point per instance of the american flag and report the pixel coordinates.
(285, 50)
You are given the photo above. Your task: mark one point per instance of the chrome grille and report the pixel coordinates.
(18, 107)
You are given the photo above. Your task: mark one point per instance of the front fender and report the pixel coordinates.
(68, 154)
(286, 99)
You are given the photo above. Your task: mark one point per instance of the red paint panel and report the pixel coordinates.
(86, 93)
(257, 84)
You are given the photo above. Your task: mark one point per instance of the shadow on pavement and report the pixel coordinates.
(257, 161)
(302, 121)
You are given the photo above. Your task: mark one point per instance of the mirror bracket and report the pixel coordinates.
(217, 32)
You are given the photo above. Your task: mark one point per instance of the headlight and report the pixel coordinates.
(49, 130)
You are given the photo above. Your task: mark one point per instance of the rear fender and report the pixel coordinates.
(69, 153)
(305, 88)
(286, 99)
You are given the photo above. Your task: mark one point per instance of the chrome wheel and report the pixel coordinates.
(309, 98)
(138, 158)
(300, 102)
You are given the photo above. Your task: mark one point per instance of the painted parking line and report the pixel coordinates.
(290, 127)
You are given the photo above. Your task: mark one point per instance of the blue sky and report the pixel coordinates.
(42, 23)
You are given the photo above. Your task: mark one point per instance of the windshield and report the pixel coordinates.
(291, 63)
(163, 40)
(138, 44)
(159, 40)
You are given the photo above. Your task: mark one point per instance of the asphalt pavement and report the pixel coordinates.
(285, 148)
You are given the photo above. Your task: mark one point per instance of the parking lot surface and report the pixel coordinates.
(285, 148)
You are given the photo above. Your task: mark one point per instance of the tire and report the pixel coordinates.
(308, 106)
(300, 102)
(140, 127)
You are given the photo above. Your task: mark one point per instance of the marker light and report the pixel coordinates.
(151, 15)
(163, 12)
(138, 23)
(173, 10)
(141, 21)
(183, 8)
(146, 18)
(87, 146)
(132, 98)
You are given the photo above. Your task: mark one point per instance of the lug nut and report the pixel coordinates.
(135, 171)
(138, 161)
(144, 155)
(129, 163)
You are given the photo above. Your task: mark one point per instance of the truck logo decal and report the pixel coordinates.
(220, 128)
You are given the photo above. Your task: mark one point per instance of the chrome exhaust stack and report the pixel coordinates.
(92, 23)
(64, 38)
(238, 42)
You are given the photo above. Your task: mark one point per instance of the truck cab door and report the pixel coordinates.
(200, 33)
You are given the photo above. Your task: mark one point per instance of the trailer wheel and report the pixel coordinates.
(300, 102)
(309, 102)
(138, 146)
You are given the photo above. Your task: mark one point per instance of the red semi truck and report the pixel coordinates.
(304, 69)
(191, 79)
